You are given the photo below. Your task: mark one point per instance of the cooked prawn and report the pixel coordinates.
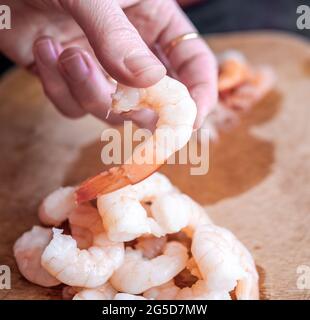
(82, 268)
(224, 265)
(224, 261)
(28, 250)
(125, 216)
(176, 115)
(138, 274)
(258, 85)
(56, 207)
(233, 70)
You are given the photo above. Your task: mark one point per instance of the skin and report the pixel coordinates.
(73, 45)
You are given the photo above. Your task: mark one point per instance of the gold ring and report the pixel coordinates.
(173, 43)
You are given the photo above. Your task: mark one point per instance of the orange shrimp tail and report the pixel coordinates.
(112, 180)
(105, 182)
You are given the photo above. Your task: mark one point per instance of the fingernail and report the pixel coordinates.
(75, 67)
(138, 63)
(46, 51)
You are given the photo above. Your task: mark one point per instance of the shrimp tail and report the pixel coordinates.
(112, 180)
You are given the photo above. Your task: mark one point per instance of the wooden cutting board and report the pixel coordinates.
(258, 184)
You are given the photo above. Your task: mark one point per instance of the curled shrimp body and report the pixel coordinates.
(123, 212)
(152, 206)
(28, 250)
(138, 274)
(224, 261)
(105, 292)
(82, 268)
(56, 207)
(176, 115)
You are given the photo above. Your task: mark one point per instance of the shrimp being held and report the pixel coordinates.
(82, 268)
(138, 274)
(28, 250)
(176, 115)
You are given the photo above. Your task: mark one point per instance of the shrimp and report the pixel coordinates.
(124, 213)
(105, 292)
(152, 206)
(257, 86)
(224, 265)
(176, 115)
(233, 70)
(82, 268)
(138, 274)
(224, 262)
(28, 250)
(56, 207)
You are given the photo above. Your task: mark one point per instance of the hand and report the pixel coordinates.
(74, 46)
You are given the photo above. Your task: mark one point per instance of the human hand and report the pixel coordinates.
(74, 46)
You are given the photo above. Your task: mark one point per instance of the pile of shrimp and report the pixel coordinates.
(128, 233)
(143, 241)
(240, 87)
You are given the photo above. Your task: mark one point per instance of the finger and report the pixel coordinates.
(116, 43)
(86, 81)
(46, 52)
(191, 60)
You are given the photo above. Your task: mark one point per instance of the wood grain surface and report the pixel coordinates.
(258, 184)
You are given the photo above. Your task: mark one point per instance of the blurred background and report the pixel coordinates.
(215, 16)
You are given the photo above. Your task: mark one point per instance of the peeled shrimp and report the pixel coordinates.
(224, 261)
(83, 268)
(56, 207)
(138, 274)
(105, 292)
(28, 250)
(224, 265)
(123, 214)
(176, 115)
(152, 206)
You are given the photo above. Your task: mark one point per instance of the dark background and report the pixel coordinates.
(213, 16)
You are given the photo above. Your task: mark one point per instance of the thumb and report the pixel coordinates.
(116, 43)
